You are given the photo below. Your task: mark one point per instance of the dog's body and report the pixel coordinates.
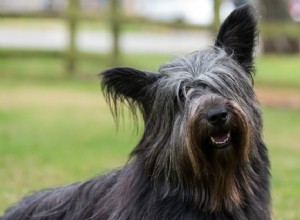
(201, 155)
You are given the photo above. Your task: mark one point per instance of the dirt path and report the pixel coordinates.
(278, 97)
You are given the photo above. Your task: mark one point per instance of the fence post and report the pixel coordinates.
(216, 21)
(72, 19)
(115, 30)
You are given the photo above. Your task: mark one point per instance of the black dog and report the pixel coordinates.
(201, 155)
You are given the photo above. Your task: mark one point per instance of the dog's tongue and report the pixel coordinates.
(220, 137)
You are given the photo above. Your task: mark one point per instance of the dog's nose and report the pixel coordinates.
(217, 116)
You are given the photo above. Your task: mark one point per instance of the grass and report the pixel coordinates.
(279, 71)
(55, 130)
(51, 136)
(282, 135)
(89, 25)
(53, 68)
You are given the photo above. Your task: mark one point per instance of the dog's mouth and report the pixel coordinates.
(221, 139)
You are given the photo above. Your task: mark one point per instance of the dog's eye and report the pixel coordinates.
(180, 98)
(181, 94)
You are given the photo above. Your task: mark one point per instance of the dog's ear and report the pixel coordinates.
(238, 34)
(125, 84)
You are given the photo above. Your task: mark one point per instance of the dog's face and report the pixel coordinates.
(200, 113)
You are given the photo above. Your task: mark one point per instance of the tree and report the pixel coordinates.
(275, 13)
(274, 10)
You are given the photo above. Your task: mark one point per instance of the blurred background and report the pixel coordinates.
(55, 127)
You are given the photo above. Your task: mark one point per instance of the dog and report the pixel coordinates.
(201, 155)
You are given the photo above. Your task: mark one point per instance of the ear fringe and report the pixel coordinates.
(124, 86)
(117, 101)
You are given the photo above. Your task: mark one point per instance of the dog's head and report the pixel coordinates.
(201, 116)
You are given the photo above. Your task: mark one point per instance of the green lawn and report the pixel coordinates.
(55, 135)
(278, 71)
(282, 135)
(271, 70)
(50, 69)
(56, 130)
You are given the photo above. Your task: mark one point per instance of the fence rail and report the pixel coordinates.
(73, 15)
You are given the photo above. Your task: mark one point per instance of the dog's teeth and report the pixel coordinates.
(221, 142)
(218, 142)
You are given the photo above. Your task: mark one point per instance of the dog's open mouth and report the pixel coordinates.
(221, 139)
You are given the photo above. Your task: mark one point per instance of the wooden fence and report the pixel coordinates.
(116, 19)
(74, 15)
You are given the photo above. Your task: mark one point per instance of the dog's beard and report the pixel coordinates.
(217, 152)
(189, 161)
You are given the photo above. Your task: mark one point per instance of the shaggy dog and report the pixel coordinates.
(201, 155)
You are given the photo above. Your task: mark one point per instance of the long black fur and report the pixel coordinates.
(176, 171)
